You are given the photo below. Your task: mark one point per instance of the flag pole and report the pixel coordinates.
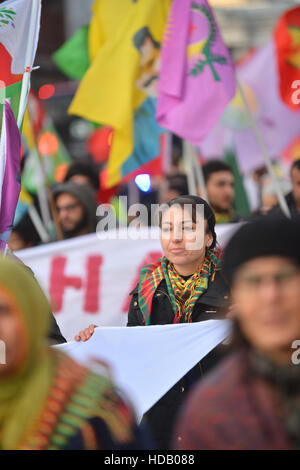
(194, 169)
(2, 147)
(199, 174)
(266, 157)
(28, 59)
(167, 152)
(188, 163)
(2, 163)
(45, 194)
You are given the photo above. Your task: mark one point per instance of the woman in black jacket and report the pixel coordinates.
(184, 286)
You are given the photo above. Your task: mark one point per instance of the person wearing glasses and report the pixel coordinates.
(76, 206)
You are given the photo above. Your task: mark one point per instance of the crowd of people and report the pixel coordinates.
(78, 195)
(243, 395)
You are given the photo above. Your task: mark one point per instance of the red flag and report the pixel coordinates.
(287, 40)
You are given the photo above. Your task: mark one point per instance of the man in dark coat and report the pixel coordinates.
(293, 198)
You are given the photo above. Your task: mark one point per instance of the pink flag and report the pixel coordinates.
(196, 80)
(278, 124)
(10, 151)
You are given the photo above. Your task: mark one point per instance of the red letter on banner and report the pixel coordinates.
(59, 282)
(92, 298)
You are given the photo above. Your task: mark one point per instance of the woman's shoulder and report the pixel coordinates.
(217, 293)
(219, 283)
(135, 291)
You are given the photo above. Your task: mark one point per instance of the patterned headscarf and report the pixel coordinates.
(47, 398)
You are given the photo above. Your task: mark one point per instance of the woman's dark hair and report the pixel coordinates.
(194, 201)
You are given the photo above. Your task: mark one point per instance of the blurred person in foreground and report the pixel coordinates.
(54, 334)
(251, 400)
(185, 286)
(293, 197)
(76, 206)
(48, 401)
(219, 182)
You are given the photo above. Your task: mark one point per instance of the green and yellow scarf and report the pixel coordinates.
(226, 217)
(183, 294)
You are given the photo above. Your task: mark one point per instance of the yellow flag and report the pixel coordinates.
(124, 46)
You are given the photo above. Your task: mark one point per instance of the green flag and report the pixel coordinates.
(73, 57)
(32, 177)
(241, 203)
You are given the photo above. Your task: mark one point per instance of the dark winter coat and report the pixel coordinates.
(55, 336)
(161, 417)
(234, 409)
(277, 211)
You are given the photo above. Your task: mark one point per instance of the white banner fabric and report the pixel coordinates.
(89, 278)
(146, 361)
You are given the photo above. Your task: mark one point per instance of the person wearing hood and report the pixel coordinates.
(251, 400)
(76, 206)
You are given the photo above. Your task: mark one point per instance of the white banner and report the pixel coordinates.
(89, 278)
(145, 362)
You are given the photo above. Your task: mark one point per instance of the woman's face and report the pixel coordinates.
(183, 241)
(266, 294)
(11, 336)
